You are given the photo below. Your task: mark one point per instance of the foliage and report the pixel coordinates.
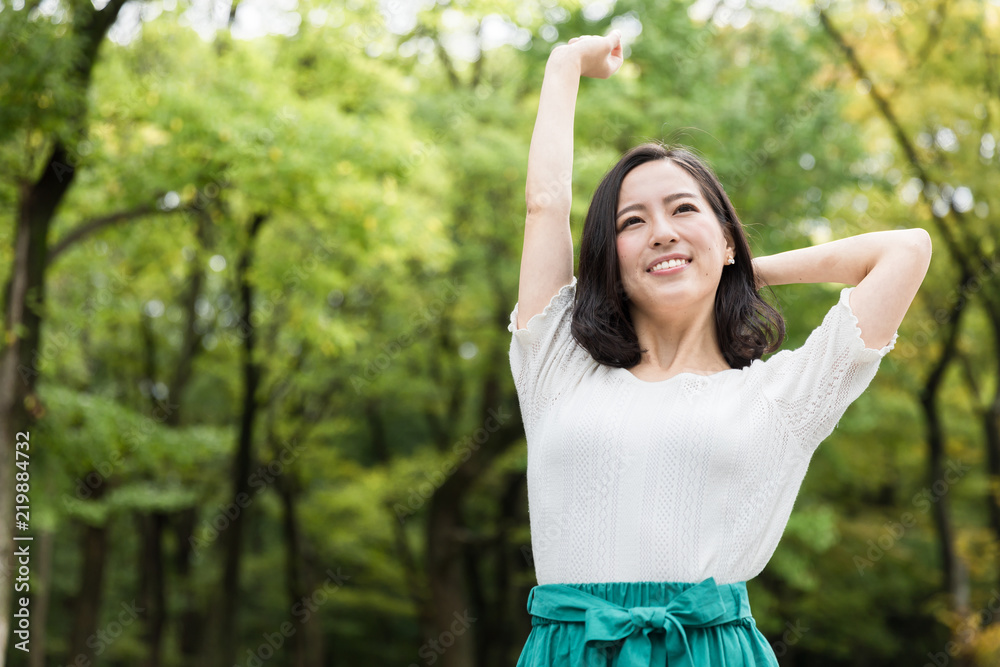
(391, 173)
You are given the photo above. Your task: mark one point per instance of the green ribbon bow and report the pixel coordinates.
(700, 606)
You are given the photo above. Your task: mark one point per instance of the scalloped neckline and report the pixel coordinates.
(673, 377)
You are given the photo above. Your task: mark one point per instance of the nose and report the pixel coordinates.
(661, 229)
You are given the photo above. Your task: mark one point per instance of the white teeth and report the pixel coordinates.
(669, 264)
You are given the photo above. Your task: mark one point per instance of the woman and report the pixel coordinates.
(664, 456)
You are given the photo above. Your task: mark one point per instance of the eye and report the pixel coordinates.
(629, 221)
(690, 206)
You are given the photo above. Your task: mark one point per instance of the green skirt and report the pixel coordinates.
(644, 624)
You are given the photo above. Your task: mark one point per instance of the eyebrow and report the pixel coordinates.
(666, 200)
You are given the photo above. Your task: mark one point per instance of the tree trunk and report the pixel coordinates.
(487, 566)
(25, 293)
(520, 624)
(503, 635)
(293, 567)
(966, 252)
(191, 622)
(451, 616)
(232, 537)
(25, 299)
(43, 594)
(953, 576)
(152, 584)
(191, 342)
(87, 604)
(942, 521)
(450, 639)
(991, 429)
(473, 555)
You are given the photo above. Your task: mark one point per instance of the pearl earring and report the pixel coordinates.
(732, 260)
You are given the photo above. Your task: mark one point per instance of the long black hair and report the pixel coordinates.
(747, 326)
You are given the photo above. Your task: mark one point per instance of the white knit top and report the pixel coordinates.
(677, 480)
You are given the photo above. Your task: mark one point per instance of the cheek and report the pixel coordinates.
(626, 258)
(623, 254)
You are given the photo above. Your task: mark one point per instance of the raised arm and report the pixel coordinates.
(547, 256)
(887, 268)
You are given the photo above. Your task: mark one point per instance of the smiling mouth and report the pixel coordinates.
(668, 266)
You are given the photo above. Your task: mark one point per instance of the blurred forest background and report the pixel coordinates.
(259, 260)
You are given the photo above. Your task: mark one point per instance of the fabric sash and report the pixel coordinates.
(699, 606)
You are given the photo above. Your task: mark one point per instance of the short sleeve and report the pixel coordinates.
(544, 356)
(812, 387)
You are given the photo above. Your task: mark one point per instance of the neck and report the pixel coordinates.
(679, 340)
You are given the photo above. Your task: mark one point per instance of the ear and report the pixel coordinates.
(727, 237)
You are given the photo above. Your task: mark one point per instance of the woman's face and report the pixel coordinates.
(661, 211)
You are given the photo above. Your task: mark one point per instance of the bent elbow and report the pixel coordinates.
(921, 241)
